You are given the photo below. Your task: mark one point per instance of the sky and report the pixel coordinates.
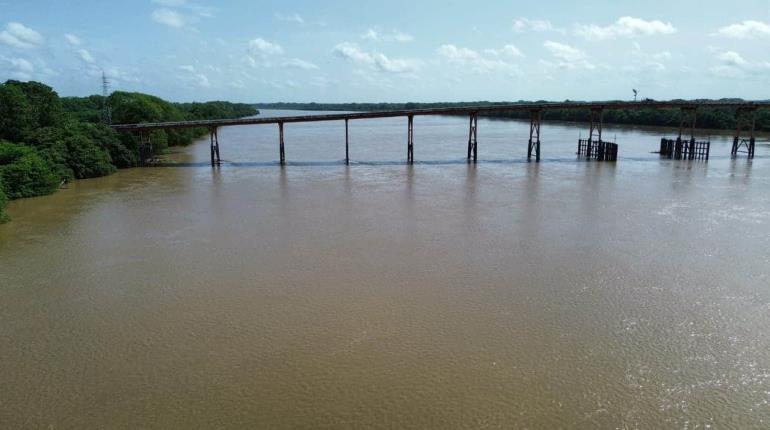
(391, 50)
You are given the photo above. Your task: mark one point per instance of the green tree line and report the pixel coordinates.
(708, 118)
(46, 140)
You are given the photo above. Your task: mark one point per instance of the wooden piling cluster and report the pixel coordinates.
(679, 149)
(599, 150)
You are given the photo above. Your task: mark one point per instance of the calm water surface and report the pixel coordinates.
(564, 294)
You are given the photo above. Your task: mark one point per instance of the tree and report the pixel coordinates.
(16, 118)
(46, 109)
(24, 172)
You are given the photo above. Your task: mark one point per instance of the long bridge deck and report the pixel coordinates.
(516, 107)
(744, 134)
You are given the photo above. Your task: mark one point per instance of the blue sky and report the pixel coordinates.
(391, 50)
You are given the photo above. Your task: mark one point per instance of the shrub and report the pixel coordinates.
(25, 173)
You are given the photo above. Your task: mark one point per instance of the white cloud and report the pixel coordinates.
(72, 39)
(568, 57)
(643, 62)
(745, 30)
(168, 17)
(523, 25)
(85, 56)
(263, 48)
(402, 37)
(198, 79)
(264, 53)
(202, 11)
(507, 50)
(170, 3)
(371, 34)
(476, 62)
(351, 51)
(19, 64)
(625, 27)
(17, 68)
(375, 35)
(299, 64)
(733, 65)
(395, 65)
(354, 53)
(202, 80)
(454, 53)
(19, 36)
(294, 17)
(732, 58)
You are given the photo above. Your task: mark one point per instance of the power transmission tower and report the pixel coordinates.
(106, 112)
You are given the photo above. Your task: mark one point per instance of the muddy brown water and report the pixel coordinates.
(506, 294)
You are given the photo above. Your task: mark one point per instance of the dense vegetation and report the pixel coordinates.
(46, 140)
(711, 118)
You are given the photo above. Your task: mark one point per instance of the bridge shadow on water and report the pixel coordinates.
(364, 163)
(460, 161)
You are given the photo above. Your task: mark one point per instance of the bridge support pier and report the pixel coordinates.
(347, 152)
(689, 116)
(597, 121)
(145, 147)
(686, 149)
(214, 139)
(745, 120)
(473, 137)
(410, 141)
(535, 118)
(281, 152)
(597, 149)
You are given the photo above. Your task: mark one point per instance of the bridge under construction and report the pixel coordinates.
(685, 146)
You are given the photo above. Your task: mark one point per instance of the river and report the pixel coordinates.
(505, 294)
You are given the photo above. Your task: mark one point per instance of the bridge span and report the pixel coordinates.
(593, 147)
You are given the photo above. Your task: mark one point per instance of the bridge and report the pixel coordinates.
(593, 147)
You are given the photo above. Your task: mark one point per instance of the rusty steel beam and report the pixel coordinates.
(520, 107)
(745, 123)
(347, 151)
(145, 147)
(535, 118)
(597, 121)
(214, 139)
(410, 140)
(281, 152)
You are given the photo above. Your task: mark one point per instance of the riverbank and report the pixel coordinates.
(46, 141)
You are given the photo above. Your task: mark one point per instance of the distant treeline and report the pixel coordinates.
(46, 140)
(711, 118)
